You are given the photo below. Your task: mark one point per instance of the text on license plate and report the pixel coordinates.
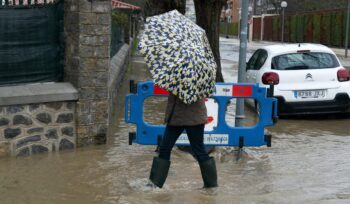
(310, 94)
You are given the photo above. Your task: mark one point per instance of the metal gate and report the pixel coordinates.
(31, 41)
(256, 28)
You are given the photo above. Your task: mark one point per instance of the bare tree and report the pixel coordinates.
(208, 17)
(155, 7)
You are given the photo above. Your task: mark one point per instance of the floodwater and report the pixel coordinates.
(309, 162)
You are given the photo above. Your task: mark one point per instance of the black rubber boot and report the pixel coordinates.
(209, 175)
(159, 171)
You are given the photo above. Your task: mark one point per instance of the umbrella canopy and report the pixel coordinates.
(178, 56)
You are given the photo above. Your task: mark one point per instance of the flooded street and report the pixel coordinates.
(309, 162)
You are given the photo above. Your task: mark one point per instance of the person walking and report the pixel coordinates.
(191, 118)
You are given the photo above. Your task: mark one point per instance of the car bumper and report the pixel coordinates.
(340, 104)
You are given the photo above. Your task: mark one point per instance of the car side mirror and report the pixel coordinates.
(247, 67)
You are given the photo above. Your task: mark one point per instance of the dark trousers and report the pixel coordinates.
(195, 135)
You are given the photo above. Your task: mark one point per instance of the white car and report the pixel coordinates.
(308, 78)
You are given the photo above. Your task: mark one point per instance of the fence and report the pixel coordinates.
(327, 27)
(120, 24)
(31, 42)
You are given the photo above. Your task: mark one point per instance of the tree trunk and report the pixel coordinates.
(155, 7)
(208, 17)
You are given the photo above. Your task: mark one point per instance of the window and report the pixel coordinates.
(305, 60)
(257, 60)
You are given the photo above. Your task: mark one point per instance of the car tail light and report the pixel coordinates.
(270, 78)
(343, 75)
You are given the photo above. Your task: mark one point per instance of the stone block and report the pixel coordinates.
(51, 134)
(65, 118)
(102, 51)
(83, 106)
(101, 93)
(99, 129)
(101, 6)
(102, 64)
(10, 133)
(86, 94)
(36, 149)
(34, 107)
(66, 144)
(104, 19)
(87, 51)
(4, 121)
(100, 139)
(102, 105)
(85, 6)
(88, 64)
(85, 80)
(84, 130)
(88, 18)
(54, 105)
(102, 116)
(95, 29)
(14, 109)
(86, 119)
(84, 141)
(67, 131)
(73, 8)
(26, 140)
(44, 118)
(35, 130)
(94, 40)
(22, 120)
(88, 40)
(104, 40)
(71, 21)
(100, 79)
(23, 152)
(70, 105)
(70, 3)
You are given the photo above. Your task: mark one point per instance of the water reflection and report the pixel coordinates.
(309, 162)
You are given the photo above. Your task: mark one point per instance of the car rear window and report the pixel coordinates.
(304, 60)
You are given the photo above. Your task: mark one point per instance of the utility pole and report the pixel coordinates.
(347, 30)
(242, 60)
(283, 6)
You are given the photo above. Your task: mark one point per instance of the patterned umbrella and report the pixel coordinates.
(178, 56)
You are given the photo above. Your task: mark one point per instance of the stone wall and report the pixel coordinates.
(87, 64)
(35, 128)
(37, 118)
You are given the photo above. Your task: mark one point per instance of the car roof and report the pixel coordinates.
(279, 49)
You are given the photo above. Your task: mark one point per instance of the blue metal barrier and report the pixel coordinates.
(221, 134)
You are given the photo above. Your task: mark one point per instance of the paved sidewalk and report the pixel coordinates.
(340, 52)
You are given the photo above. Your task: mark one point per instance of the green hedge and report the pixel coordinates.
(276, 28)
(293, 29)
(230, 29)
(336, 34)
(316, 24)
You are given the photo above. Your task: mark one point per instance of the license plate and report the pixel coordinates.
(311, 94)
